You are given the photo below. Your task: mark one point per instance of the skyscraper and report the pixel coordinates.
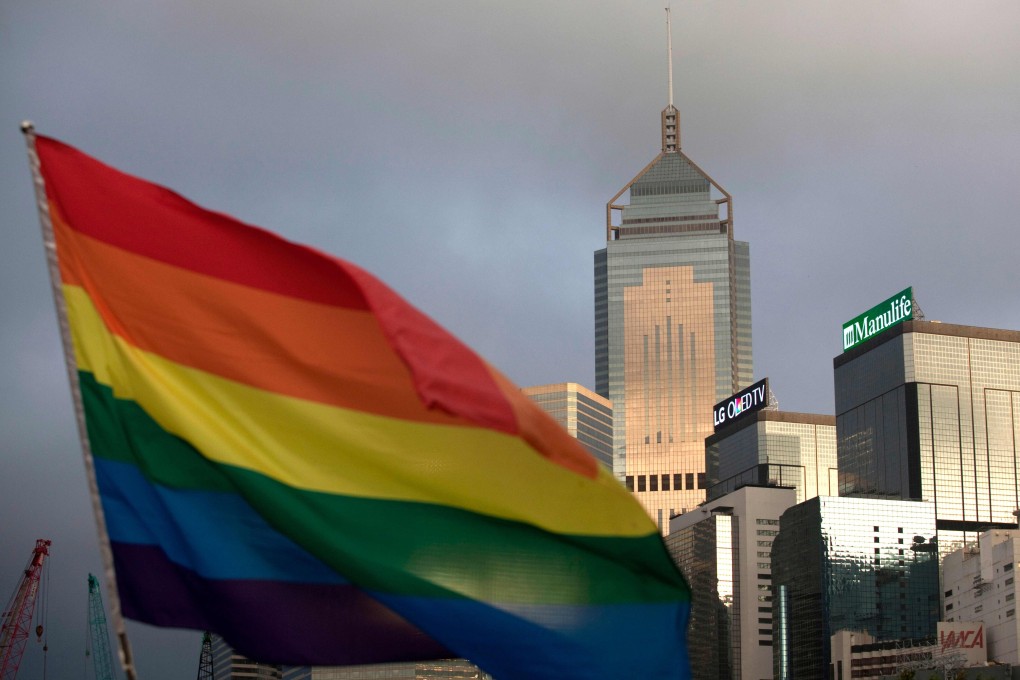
(672, 322)
(931, 411)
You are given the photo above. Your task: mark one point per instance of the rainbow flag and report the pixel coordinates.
(289, 454)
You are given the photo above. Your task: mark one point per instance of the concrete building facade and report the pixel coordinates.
(725, 550)
(979, 584)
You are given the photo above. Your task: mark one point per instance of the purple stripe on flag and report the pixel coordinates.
(295, 621)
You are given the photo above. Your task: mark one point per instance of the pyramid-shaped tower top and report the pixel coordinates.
(670, 115)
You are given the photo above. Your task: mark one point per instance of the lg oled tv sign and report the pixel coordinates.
(754, 398)
(896, 309)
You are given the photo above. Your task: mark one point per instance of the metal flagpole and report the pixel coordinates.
(124, 647)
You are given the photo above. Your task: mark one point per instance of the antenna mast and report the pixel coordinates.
(669, 56)
(670, 116)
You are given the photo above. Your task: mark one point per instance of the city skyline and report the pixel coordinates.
(872, 143)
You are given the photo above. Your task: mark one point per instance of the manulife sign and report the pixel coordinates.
(896, 309)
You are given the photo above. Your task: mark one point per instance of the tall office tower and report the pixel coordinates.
(931, 411)
(979, 582)
(228, 664)
(724, 549)
(777, 448)
(859, 564)
(587, 416)
(672, 322)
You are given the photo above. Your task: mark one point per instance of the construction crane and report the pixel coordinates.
(205, 664)
(17, 616)
(98, 645)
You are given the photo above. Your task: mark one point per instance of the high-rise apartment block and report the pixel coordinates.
(931, 411)
(672, 323)
(587, 416)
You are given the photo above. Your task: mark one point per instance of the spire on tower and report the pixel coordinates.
(670, 115)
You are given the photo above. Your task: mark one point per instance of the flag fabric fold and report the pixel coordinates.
(289, 454)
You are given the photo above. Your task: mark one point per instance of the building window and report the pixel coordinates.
(676, 481)
(641, 483)
(702, 483)
(690, 480)
(653, 482)
(665, 482)
(630, 482)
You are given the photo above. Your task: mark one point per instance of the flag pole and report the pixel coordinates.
(49, 244)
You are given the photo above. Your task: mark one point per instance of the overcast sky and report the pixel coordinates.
(464, 152)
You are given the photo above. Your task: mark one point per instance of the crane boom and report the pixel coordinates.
(102, 660)
(17, 617)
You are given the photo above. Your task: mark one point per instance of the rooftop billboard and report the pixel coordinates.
(881, 317)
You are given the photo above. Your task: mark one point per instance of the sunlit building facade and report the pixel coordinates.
(672, 324)
(777, 448)
(587, 416)
(859, 564)
(724, 548)
(931, 411)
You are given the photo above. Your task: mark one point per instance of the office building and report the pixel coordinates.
(931, 411)
(859, 564)
(777, 448)
(229, 665)
(587, 416)
(979, 582)
(956, 646)
(724, 549)
(448, 669)
(672, 323)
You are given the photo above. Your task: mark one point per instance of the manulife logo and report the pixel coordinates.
(896, 309)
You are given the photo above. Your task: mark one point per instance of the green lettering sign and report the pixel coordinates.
(896, 309)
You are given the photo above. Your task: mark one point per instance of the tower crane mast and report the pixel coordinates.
(102, 660)
(17, 617)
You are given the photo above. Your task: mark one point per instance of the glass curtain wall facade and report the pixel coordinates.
(859, 564)
(672, 330)
(587, 416)
(931, 411)
(774, 448)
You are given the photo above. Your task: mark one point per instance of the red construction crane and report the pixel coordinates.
(17, 617)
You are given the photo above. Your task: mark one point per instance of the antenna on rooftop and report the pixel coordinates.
(669, 55)
(670, 116)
